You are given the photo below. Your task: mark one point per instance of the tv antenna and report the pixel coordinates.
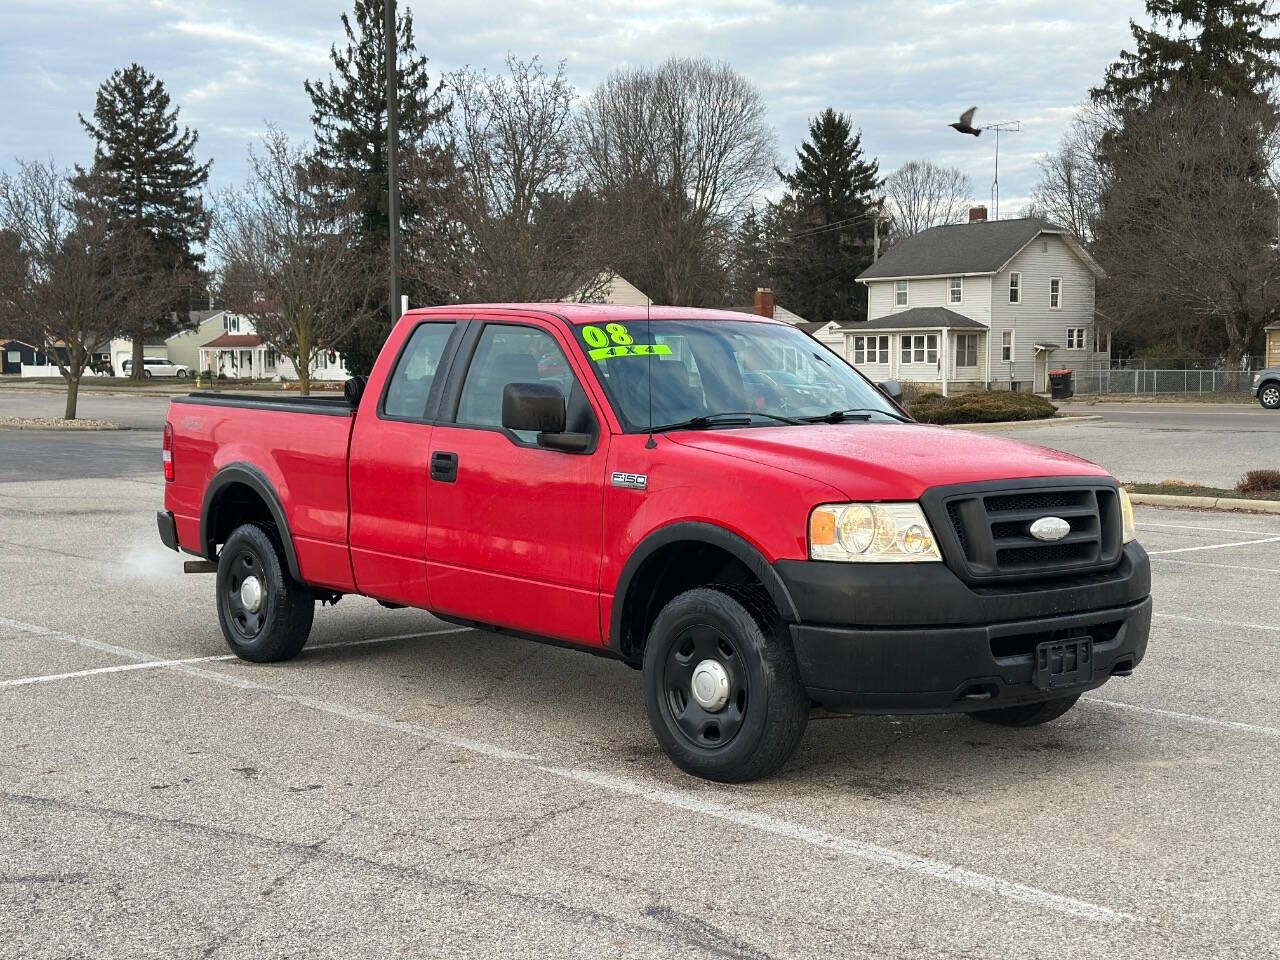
(1010, 126)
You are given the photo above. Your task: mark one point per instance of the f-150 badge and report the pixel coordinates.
(630, 481)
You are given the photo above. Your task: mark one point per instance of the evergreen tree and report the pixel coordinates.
(1217, 45)
(826, 222)
(153, 185)
(349, 113)
(750, 268)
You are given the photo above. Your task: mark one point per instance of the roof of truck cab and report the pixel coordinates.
(594, 312)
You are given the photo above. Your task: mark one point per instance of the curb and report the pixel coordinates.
(1205, 503)
(42, 428)
(1047, 421)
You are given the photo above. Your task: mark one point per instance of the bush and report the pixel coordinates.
(993, 406)
(1259, 481)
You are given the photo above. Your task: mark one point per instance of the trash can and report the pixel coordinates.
(1061, 384)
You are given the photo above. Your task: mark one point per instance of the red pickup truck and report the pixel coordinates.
(713, 497)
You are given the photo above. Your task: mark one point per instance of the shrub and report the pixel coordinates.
(994, 406)
(1259, 481)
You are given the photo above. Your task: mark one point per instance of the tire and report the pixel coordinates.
(1269, 395)
(146, 374)
(181, 374)
(278, 627)
(765, 708)
(1027, 714)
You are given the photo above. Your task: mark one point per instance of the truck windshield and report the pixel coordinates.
(702, 369)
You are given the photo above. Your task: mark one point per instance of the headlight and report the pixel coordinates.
(1257, 377)
(1126, 513)
(871, 533)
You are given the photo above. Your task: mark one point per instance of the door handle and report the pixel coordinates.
(444, 466)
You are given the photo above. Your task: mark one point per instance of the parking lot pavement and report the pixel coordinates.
(1206, 443)
(406, 786)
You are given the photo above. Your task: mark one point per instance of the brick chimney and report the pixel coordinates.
(978, 214)
(764, 302)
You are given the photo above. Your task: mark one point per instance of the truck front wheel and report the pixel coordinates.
(1027, 714)
(721, 685)
(265, 614)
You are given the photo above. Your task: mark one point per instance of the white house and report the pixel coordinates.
(981, 304)
(221, 342)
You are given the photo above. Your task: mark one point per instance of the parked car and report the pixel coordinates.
(1266, 387)
(750, 563)
(158, 367)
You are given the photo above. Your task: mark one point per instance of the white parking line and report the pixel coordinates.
(155, 664)
(1192, 718)
(681, 799)
(1220, 623)
(1214, 546)
(1190, 526)
(1220, 566)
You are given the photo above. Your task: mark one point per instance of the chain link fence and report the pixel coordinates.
(1151, 382)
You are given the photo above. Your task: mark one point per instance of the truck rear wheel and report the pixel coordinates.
(721, 685)
(265, 614)
(1027, 714)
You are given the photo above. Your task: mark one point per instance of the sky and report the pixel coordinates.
(903, 69)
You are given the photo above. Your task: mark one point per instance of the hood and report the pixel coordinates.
(880, 461)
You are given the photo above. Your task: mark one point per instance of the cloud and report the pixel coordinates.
(903, 69)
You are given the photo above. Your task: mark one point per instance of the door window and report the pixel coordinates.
(515, 354)
(415, 372)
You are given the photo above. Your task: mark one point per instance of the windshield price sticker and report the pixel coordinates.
(616, 341)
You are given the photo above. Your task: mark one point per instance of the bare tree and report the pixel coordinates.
(1188, 220)
(63, 274)
(1074, 178)
(922, 194)
(515, 224)
(287, 253)
(677, 153)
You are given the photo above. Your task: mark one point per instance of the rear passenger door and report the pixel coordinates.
(388, 466)
(515, 529)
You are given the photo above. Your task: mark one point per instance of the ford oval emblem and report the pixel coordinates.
(1050, 528)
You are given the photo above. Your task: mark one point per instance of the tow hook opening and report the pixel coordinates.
(978, 692)
(1122, 667)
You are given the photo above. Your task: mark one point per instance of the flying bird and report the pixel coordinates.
(966, 123)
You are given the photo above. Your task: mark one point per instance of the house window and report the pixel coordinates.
(900, 293)
(14, 356)
(271, 359)
(1006, 346)
(230, 324)
(920, 348)
(1101, 341)
(1055, 293)
(967, 350)
(956, 286)
(1015, 288)
(1075, 338)
(870, 350)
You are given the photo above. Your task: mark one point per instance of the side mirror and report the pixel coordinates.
(892, 389)
(533, 406)
(353, 390)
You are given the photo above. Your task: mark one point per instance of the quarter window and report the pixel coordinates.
(1055, 293)
(900, 293)
(956, 288)
(410, 383)
(1015, 288)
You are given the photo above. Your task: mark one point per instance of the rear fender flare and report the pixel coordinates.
(253, 478)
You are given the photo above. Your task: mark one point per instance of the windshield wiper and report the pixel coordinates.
(853, 413)
(734, 418)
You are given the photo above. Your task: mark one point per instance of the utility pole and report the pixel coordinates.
(1012, 126)
(393, 144)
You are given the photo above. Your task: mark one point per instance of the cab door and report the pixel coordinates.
(388, 463)
(514, 538)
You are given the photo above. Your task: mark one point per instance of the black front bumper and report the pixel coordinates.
(914, 638)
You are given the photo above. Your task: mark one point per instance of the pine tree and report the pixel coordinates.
(826, 219)
(349, 114)
(1217, 45)
(750, 268)
(154, 188)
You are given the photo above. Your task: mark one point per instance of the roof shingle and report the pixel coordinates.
(958, 248)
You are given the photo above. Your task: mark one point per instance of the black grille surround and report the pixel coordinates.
(984, 529)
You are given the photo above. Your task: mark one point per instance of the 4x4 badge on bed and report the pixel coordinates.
(1050, 528)
(630, 481)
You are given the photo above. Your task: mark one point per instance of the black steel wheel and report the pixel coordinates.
(265, 614)
(722, 687)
